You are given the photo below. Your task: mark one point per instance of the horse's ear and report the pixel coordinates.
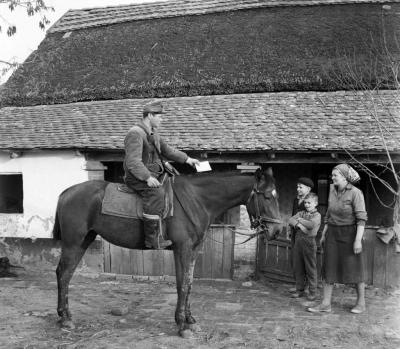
(269, 172)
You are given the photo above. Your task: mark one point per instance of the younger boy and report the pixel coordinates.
(306, 224)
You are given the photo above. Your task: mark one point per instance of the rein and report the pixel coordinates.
(250, 236)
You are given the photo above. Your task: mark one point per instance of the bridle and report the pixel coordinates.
(258, 221)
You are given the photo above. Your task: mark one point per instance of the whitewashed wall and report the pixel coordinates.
(45, 175)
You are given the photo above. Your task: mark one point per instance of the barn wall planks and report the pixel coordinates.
(215, 261)
(381, 262)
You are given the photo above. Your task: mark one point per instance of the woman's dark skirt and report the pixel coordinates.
(341, 265)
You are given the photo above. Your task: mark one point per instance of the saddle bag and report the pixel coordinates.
(171, 170)
(168, 168)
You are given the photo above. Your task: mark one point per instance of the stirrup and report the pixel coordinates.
(157, 244)
(161, 242)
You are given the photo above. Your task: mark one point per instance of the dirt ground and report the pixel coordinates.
(230, 314)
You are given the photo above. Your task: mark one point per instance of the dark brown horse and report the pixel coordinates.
(198, 200)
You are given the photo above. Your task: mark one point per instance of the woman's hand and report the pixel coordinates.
(357, 246)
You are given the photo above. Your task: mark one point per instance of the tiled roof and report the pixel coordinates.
(93, 17)
(292, 121)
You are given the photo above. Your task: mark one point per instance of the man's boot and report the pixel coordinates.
(152, 235)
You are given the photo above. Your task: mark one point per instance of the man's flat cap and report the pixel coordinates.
(154, 108)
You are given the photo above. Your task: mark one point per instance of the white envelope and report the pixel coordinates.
(203, 167)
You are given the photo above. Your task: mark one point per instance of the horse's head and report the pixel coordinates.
(263, 207)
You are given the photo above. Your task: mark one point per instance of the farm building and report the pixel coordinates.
(242, 82)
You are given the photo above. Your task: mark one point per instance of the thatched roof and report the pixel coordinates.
(286, 121)
(186, 48)
(102, 16)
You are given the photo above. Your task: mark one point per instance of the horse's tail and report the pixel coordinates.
(56, 227)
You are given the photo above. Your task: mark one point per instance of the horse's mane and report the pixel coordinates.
(201, 176)
(229, 173)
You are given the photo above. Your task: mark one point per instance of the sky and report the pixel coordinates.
(28, 37)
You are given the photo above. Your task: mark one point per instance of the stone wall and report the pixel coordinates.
(44, 254)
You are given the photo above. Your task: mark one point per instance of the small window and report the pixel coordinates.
(11, 193)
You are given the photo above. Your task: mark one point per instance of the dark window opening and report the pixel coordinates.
(114, 172)
(11, 193)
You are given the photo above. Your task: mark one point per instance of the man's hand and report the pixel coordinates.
(192, 162)
(153, 182)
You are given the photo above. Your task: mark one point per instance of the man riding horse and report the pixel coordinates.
(144, 167)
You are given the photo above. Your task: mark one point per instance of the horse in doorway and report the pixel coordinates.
(198, 200)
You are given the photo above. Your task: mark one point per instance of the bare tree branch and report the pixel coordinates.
(391, 205)
(32, 8)
(7, 66)
(370, 173)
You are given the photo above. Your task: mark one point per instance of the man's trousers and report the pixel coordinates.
(153, 198)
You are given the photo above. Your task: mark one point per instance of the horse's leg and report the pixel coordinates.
(189, 319)
(179, 279)
(185, 257)
(69, 260)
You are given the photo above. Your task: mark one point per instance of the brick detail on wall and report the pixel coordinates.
(95, 170)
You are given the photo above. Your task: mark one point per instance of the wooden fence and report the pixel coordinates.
(215, 260)
(382, 263)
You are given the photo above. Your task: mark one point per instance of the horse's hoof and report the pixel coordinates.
(67, 324)
(190, 320)
(187, 334)
(193, 327)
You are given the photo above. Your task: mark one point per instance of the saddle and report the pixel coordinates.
(121, 201)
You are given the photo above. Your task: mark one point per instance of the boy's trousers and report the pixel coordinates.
(305, 261)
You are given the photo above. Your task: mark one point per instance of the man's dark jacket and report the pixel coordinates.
(141, 158)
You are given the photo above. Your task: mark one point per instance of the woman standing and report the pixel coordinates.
(342, 235)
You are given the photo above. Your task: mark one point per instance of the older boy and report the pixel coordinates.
(303, 187)
(306, 224)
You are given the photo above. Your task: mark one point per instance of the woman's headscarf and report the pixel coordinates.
(348, 172)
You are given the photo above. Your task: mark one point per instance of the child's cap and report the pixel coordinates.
(306, 181)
